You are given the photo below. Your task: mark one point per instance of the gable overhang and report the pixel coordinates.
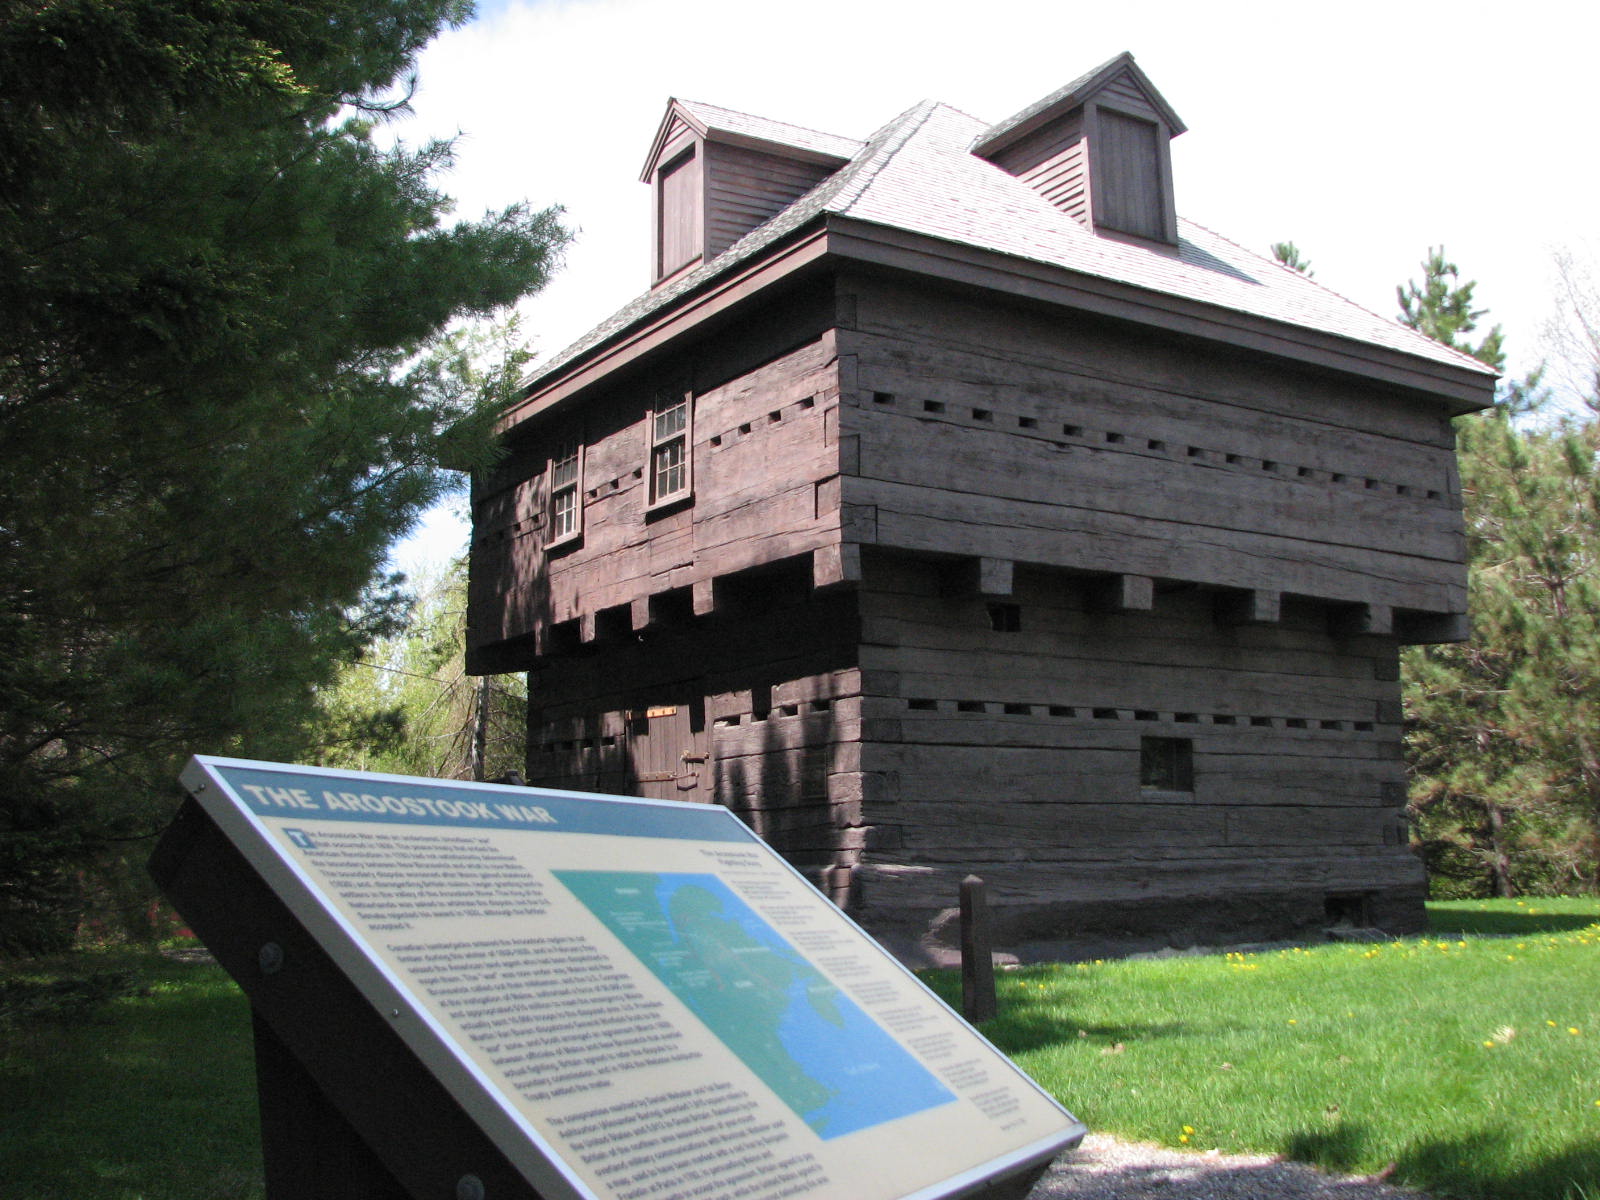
(694, 312)
(832, 241)
(678, 111)
(1461, 389)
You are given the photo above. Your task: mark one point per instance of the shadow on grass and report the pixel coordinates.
(151, 1094)
(1017, 1031)
(1483, 1166)
(1517, 924)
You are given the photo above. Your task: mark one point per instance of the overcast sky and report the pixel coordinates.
(1364, 132)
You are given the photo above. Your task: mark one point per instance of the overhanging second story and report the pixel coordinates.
(859, 345)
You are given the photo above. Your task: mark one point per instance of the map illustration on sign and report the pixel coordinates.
(831, 1063)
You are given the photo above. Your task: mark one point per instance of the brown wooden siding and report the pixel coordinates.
(680, 214)
(764, 445)
(746, 188)
(1053, 161)
(1129, 194)
(996, 433)
(1123, 93)
(1006, 752)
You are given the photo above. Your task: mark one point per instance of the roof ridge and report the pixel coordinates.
(739, 112)
(880, 153)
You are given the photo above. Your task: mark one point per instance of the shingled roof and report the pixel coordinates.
(918, 174)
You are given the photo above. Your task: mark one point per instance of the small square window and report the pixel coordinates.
(1166, 764)
(1005, 618)
(669, 423)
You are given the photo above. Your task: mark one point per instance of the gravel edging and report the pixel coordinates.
(1104, 1168)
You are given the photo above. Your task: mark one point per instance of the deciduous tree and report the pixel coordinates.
(407, 705)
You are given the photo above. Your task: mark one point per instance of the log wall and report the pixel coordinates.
(946, 567)
(757, 708)
(764, 457)
(1007, 433)
(1015, 753)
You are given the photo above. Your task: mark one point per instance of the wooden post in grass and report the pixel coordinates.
(977, 960)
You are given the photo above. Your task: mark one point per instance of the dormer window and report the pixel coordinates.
(1130, 183)
(720, 174)
(1099, 150)
(679, 226)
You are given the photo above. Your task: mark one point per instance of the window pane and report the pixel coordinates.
(668, 470)
(670, 421)
(563, 513)
(564, 467)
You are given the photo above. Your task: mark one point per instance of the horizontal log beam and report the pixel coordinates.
(1430, 629)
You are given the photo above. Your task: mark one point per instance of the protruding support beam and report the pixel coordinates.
(705, 597)
(1249, 608)
(1122, 593)
(1431, 629)
(988, 578)
(641, 614)
(588, 627)
(835, 564)
(1359, 620)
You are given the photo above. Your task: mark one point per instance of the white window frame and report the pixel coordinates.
(660, 443)
(566, 523)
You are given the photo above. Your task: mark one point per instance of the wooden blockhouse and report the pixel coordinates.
(949, 505)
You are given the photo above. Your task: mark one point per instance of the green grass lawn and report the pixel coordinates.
(147, 1096)
(1469, 1062)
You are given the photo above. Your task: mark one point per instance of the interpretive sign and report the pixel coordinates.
(632, 999)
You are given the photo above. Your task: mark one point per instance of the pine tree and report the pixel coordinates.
(1441, 307)
(223, 390)
(1501, 744)
(1289, 255)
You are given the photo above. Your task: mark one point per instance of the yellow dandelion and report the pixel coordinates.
(1183, 1137)
(1188, 1128)
(1572, 1029)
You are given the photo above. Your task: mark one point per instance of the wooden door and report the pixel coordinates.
(667, 752)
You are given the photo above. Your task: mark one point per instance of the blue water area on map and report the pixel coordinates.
(809, 1042)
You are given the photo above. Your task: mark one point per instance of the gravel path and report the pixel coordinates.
(1104, 1168)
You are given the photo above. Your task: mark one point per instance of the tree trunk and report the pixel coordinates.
(480, 729)
(1499, 862)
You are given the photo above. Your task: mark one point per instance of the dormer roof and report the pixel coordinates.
(1075, 95)
(916, 197)
(713, 124)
